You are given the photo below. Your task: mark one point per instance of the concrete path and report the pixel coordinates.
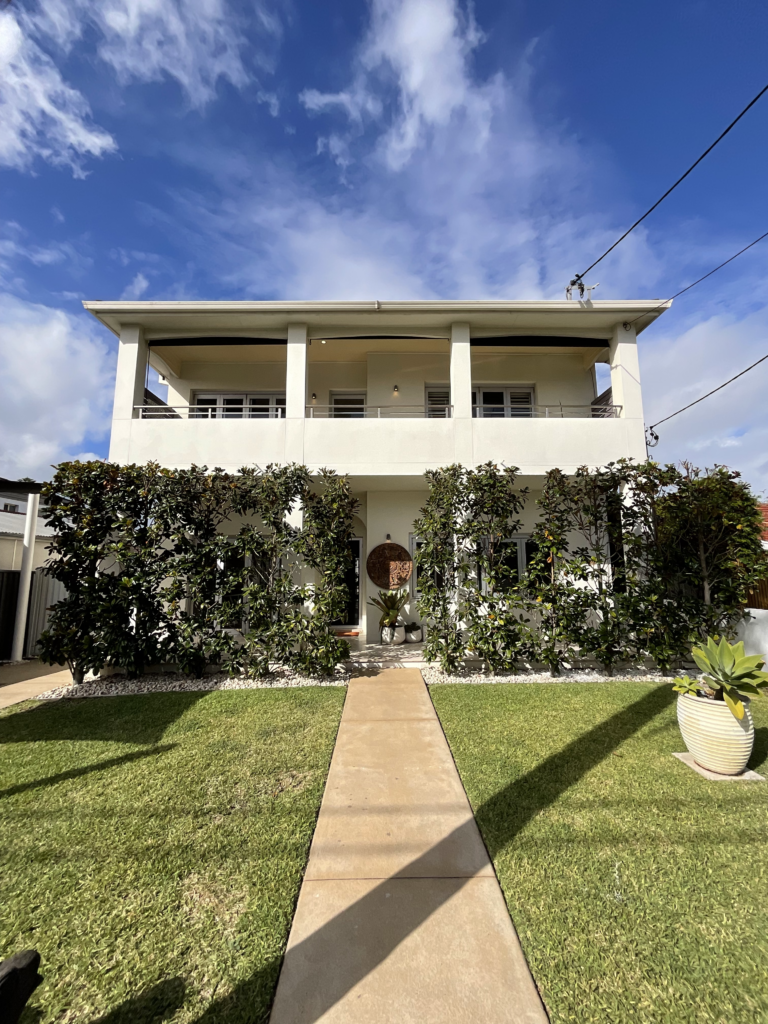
(24, 680)
(400, 919)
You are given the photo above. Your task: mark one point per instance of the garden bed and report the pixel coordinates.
(121, 686)
(434, 676)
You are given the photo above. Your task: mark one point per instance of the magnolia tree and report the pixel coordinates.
(196, 567)
(625, 562)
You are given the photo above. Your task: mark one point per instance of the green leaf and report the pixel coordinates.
(734, 704)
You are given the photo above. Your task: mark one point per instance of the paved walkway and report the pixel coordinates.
(24, 680)
(400, 919)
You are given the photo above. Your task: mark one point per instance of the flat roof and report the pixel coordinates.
(429, 318)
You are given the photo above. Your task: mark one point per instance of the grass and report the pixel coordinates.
(639, 889)
(153, 847)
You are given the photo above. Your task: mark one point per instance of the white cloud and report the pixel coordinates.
(56, 381)
(730, 427)
(198, 43)
(136, 288)
(41, 115)
(423, 48)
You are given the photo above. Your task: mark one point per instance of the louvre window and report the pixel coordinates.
(438, 402)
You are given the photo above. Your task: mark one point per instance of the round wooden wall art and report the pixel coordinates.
(389, 566)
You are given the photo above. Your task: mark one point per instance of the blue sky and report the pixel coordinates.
(381, 149)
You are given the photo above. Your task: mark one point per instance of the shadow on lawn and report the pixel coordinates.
(312, 981)
(760, 749)
(76, 773)
(152, 1006)
(139, 718)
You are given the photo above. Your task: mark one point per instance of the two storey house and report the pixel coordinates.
(381, 392)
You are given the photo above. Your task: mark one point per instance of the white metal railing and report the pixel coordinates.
(360, 412)
(209, 412)
(547, 412)
(221, 412)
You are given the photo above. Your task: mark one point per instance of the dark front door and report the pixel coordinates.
(352, 580)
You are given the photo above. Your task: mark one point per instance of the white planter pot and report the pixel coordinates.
(414, 637)
(714, 736)
(393, 634)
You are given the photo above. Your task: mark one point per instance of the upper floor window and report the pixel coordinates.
(261, 405)
(494, 401)
(8, 506)
(437, 401)
(348, 404)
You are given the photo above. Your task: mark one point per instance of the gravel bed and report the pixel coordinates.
(435, 676)
(119, 686)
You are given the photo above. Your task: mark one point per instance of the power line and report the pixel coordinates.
(655, 436)
(688, 287)
(735, 121)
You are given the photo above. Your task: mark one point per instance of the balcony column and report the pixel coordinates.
(625, 387)
(461, 393)
(295, 399)
(129, 389)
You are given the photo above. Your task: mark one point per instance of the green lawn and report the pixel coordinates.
(153, 847)
(640, 890)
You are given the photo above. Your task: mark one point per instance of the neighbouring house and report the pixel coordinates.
(43, 591)
(381, 392)
(755, 632)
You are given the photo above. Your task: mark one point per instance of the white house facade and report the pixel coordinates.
(380, 392)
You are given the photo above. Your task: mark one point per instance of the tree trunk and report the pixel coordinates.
(704, 572)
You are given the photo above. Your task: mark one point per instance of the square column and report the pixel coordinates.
(461, 393)
(129, 389)
(626, 388)
(295, 392)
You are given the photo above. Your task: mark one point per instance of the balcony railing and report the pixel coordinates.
(209, 412)
(547, 412)
(221, 412)
(376, 412)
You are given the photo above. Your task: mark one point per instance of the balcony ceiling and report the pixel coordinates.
(429, 319)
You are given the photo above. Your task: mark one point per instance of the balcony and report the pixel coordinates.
(384, 441)
(156, 410)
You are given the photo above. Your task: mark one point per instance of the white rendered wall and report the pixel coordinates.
(11, 549)
(390, 512)
(755, 632)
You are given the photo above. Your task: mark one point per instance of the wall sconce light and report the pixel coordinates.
(396, 389)
(314, 397)
(322, 341)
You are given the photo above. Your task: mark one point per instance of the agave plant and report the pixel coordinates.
(727, 674)
(390, 604)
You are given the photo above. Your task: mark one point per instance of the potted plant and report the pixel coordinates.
(390, 603)
(713, 711)
(413, 634)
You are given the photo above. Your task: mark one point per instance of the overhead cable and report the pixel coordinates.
(655, 437)
(579, 277)
(688, 287)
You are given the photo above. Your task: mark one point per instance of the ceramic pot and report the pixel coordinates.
(393, 634)
(413, 637)
(717, 739)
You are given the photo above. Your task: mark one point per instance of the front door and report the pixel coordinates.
(351, 615)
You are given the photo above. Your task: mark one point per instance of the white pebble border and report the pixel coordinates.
(436, 677)
(119, 686)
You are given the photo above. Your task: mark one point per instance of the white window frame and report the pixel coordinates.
(275, 411)
(350, 393)
(442, 388)
(508, 411)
